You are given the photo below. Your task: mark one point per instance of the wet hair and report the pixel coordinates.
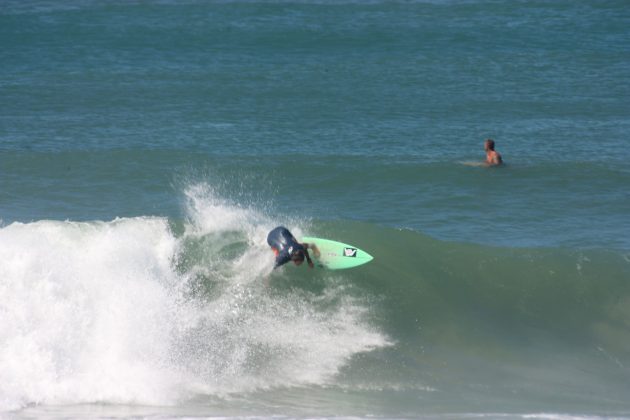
(490, 144)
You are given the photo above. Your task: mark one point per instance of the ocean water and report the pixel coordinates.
(147, 147)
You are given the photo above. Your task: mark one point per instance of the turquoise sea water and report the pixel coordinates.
(146, 148)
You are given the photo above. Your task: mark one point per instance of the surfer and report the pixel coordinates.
(493, 158)
(287, 248)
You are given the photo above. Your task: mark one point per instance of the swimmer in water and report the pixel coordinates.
(493, 158)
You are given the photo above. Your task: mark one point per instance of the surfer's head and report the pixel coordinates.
(489, 144)
(297, 256)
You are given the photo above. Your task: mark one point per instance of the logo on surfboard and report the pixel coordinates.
(349, 252)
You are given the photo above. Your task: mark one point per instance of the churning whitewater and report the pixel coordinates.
(128, 312)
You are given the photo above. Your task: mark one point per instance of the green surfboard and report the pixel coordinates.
(336, 255)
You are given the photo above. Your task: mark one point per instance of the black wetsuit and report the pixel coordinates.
(283, 244)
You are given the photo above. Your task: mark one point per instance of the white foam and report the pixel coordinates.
(85, 310)
(97, 312)
(210, 213)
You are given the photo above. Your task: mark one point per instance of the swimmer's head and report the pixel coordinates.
(489, 144)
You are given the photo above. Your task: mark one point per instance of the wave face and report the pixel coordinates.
(156, 312)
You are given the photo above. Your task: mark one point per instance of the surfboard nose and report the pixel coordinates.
(336, 255)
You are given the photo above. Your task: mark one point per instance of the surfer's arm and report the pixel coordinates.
(308, 257)
(313, 247)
